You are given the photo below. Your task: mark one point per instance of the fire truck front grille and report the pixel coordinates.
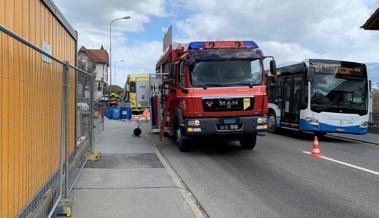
(227, 104)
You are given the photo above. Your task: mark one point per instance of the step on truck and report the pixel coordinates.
(212, 88)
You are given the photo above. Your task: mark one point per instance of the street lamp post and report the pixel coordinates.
(115, 67)
(110, 48)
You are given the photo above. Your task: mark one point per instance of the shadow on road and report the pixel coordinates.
(208, 146)
(306, 136)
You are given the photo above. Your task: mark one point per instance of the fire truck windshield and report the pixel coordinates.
(226, 73)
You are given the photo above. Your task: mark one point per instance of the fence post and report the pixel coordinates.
(63, 134)
(66, 100)
(91, 107)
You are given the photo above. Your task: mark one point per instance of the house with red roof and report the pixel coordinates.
(373, 22)
(95, 61)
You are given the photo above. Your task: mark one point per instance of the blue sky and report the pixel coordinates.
(290, 30)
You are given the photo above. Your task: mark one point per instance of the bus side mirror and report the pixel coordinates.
(310, 72)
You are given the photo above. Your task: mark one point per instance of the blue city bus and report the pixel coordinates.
(320, 96)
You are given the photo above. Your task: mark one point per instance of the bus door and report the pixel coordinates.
(291, 99)
(296, 93)
(286, 101)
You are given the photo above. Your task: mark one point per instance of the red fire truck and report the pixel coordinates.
(213, 88)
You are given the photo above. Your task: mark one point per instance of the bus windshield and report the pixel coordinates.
(226, 73)
(339, 87)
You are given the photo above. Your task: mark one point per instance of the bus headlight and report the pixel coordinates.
(193, 122)
(312, 121)
(262, 120)
(364, 125)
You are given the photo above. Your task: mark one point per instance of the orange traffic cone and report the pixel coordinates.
(316, 148)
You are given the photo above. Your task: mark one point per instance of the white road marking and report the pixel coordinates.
(346, 164)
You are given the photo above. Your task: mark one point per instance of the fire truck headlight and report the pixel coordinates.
(262, 120)
(364, 125)
(193, 122)
(312, 121)
(190, 129)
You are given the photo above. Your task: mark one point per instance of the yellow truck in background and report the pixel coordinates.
(137, 91)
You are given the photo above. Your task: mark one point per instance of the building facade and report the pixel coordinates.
(97, 62)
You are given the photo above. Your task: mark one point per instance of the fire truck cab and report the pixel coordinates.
(214, 88)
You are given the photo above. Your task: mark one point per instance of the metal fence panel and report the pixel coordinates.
(37, 121)
(98, 119)
(30, 102)
(83, 134)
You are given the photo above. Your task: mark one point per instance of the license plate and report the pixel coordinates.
(230, 121)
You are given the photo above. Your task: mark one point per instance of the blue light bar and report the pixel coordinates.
(195, 45)
(250, 44)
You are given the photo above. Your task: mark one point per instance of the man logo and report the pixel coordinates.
(209, 103)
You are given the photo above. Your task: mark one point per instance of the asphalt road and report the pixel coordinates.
(277, 179)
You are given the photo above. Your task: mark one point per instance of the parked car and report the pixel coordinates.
(104, 98)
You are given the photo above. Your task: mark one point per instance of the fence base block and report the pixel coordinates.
(64, 209)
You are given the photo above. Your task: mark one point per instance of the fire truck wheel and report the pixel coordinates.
(248, 141)
(271, 121)
(181, 141)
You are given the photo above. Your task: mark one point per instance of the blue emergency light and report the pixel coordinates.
(195, 45)
(250, 44)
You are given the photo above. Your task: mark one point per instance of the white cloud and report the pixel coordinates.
(100, 12)
(289, 30)
(92, 19)
(288, 52)
(318, 27)
(139, 58)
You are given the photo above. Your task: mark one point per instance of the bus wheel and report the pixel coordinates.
(181, 141)
(248, 141)
(271, 121)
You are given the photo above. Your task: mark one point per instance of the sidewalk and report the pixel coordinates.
(128, 181)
